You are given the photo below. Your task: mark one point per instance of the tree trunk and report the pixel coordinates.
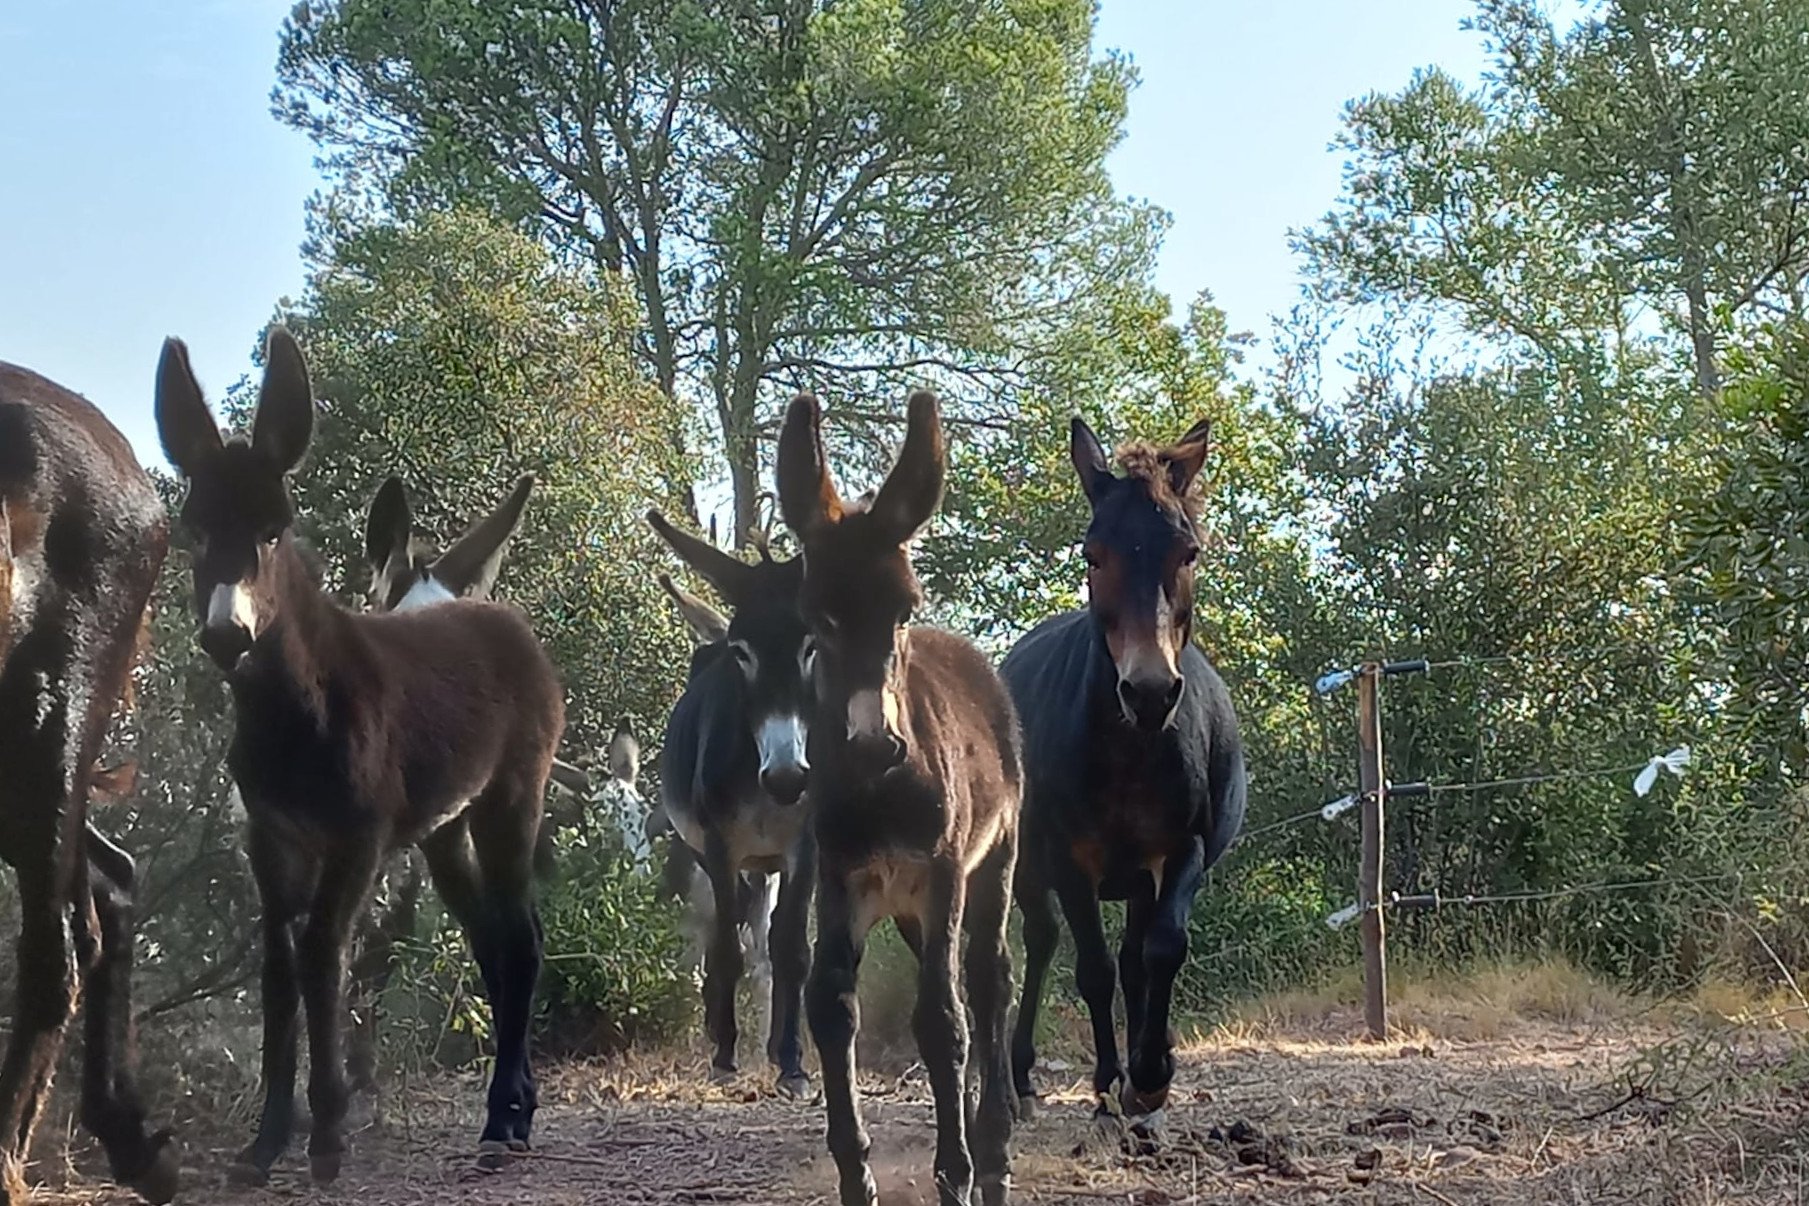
(1702, 338)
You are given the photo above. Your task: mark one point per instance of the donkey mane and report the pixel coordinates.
(1145, 462)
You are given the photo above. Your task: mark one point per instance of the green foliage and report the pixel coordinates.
(459, 354)
(850, 196)
(615, 955)
(1746, 563)
(1651, 163)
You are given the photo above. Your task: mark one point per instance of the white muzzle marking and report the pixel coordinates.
(232, 606)
(868, 712)
(781, 741)
(425, 593)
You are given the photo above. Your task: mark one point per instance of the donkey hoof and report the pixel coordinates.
(1028, 1105)
(158, 1181)
(795, 1088)
(324, 1166)
(1137, 1102)
(247, 1174)
(720, 1075)
(494, 1155)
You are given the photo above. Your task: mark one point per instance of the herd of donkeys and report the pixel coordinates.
(825, 741)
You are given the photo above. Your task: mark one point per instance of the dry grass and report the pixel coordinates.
(1513, 1086)
(1476, 1004)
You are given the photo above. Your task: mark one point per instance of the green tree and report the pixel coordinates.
(1653, 160)
(843, 196)
(458, 354)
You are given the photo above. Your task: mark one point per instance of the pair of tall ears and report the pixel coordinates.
(281, 426)
(905, 501)
(1182, 460)
(729, 576)
(470, 566)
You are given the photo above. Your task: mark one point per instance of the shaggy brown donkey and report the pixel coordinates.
(353, 736)
(82, 537)
(916, 783)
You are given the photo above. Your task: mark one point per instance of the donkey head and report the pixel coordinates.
(238, 508)
(769, 642)
(859, 591)
(1141, 547)
(404, 574)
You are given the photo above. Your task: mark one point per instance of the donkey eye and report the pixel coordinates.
(1190, 556)
(744, 655)
(1091, 559)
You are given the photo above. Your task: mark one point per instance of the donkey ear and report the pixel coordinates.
(389, 527)
(284, 421)
(1089, 457)
(184, 423)
(624, 755)
(913, 490)
(470, 566)
(808, 499)
(728, 574)
(1186, 456)
(705, 622)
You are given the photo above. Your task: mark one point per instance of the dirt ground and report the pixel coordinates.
(1540, 1113)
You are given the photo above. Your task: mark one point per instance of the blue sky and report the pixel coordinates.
(147, 191)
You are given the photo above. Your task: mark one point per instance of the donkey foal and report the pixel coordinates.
(353, 736)
(916, 789)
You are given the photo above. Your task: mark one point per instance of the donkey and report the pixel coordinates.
(1136, 772)
(82, 538)
(734, 771)
(353, 736)
(682, 874)
(406, 574)
(916, 793)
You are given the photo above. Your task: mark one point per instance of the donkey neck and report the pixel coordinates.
(302, 647)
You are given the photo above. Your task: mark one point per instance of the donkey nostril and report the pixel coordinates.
(1173, 695)
(225, 644)
(784, 784)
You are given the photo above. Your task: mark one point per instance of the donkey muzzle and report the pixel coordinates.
(1150, 703)
(873, 735)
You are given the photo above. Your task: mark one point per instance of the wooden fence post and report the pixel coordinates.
(1369, 870)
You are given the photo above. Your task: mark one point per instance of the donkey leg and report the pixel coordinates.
(940, 1023)
(47, 994)
(988, 968)
(505, 825)
(111, 1107)
(1041, 933)
(285, 881)
(763, 900)
(835, 1018)
(452, 863)
(791, 964)
(1164, 952)
(323, 953)
(722, 960)
(372, 971)
(1094, 976)
(1132, 970)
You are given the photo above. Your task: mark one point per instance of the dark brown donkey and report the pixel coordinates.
(916, 788)
(353, 736)
(82, 536)
(1136, 772)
